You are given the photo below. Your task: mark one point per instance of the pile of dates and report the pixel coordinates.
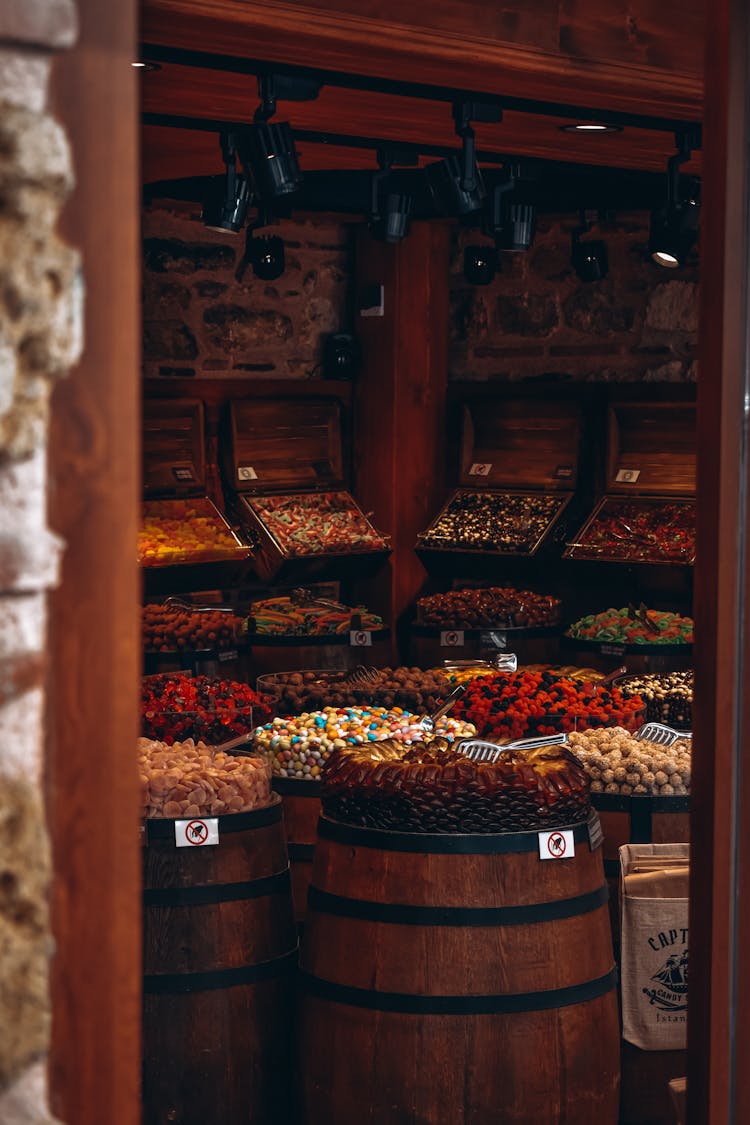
(493, 521)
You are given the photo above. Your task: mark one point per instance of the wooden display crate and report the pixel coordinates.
(293, 449)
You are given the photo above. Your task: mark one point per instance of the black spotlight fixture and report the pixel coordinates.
(481, 263)
(456, 182)
(589, 258)
(341, 356)
(226, 209)
(264, 254)
(674, 227)
(519, 227)
(390, 210)
(268, 148)
(509, 218)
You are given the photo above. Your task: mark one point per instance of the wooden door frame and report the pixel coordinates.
(94, 623)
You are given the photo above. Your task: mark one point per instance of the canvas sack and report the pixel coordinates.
(654, 882)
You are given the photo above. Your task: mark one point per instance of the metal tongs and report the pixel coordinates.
(480, 750)
(234, 746)
(182, 603)
(642, 616)
(661, 734)
(428, 722)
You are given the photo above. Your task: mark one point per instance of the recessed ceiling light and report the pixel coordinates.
(591, 127)
(140, 65)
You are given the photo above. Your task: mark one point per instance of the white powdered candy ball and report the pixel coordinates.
(621, 774)
(595, 774)
(608, 776)
(626, 789)
(640, 789)
(612, 788)
(666, 791)
(681, 790)
(675, 779)
(597, 787)
(661, 778)
(615, 755)
(633, 778)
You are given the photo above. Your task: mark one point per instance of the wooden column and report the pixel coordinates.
(94, 622)
(719, 1013)
(400, 468)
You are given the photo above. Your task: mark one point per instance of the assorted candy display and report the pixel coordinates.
(299, 746)
(181, 531)
(317, 523)
(618, 763)
(639, 531)
(434, 788)
(290, 616)
(171, 628)
(668, 697)
(177, 707)
(290, 693)
(634, 627)
(491, 607)
(525, 703)
(187, 779)
(511, 522)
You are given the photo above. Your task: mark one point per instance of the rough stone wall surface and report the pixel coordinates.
(537, 318)
(40, 337)
(198, 320)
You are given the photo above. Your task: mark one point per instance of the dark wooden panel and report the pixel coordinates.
(713, 1045)
(663, 34)
(95, 654)
(400, 43)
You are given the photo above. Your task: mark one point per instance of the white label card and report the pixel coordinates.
(246, 472)
(628, 476)
(557, 845)
(196, 833)
(480, 469)
(452, 638)
(229, 654)
(360, 638)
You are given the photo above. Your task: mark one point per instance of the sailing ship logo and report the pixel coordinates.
(670, 995)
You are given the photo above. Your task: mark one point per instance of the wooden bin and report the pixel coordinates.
(642, 820)
(459, 979)
(301, 801)
(292, 447)
(220, 955)
(650, 463)
(516, 449)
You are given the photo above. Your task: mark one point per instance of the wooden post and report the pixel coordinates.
(719, 1018)
(399, 462)
(94, 619)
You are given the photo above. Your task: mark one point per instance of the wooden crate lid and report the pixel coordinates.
(520, 443)
(651, 448)
(279, 444)
(174, 452)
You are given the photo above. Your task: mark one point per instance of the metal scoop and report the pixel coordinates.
(428, 722)
(478, 750)
(661, 734)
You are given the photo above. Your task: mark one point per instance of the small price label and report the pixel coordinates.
(564, 472)
(612, 650)
(452, 638)
(246, 472)
(360, 638)
(628, 476)
(557, 845)
(494, 638)
(183, 474)
(196, 833)
(480, 469)
(594, 826)
(229, 654)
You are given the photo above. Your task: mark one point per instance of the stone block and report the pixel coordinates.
(39, 23)
(527, 315)
(673, 307)
(168, 339)
(25, 1101)
(236, 328)
(597, 309)
(164, 300)
(211, 289)
(24, 78)
(171, 255)
(25, 944)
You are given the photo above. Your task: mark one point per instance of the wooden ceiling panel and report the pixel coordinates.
(216, 95)
(632, 55)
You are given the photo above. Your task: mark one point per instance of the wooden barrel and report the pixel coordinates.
(220, 955)
(460, 979)
(301, 801)
(642, 820)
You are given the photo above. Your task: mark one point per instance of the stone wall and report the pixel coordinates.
(39, 340)
(199, 320)
(537, 318)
